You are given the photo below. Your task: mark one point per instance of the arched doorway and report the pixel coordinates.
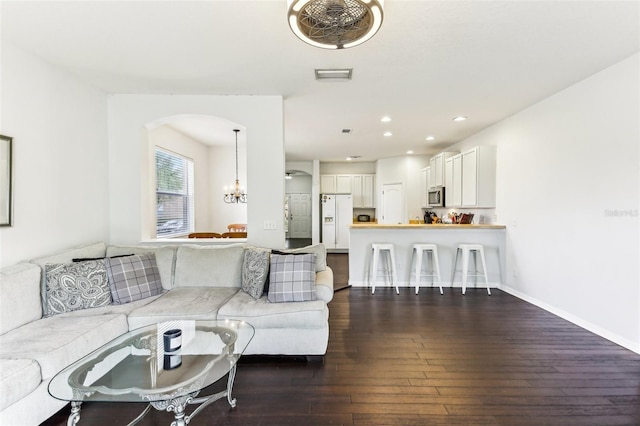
(207, 143)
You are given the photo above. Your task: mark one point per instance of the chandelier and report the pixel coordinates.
(235, 193)
(335, 24)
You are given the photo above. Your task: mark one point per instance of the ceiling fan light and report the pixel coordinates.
(335, 24)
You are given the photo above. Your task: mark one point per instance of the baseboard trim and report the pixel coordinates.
(618, 340)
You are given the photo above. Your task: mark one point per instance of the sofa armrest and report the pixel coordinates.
(324, 285)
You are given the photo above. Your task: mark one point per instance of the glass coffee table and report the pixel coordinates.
(165, 364)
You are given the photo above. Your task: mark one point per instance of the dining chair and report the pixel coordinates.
(234, 235)
(205, 235)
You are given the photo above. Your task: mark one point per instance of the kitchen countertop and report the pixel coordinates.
(424, 226)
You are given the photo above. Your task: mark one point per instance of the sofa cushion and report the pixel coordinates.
(318, 249)
(20, 302)
(18, 378)
(165, 259)
(57, 341)
(263, 314)
(255, 271)
(182, 303)
(292, 278)
(133, 278)
(209, 266)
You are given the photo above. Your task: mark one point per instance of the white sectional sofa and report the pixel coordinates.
(199, 282)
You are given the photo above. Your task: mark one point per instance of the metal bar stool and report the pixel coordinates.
(432, 251)
(473, 249)
(389, 271)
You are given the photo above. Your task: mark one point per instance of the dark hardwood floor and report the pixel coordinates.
(427, 359)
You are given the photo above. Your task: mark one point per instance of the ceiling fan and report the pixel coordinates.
(335, 24)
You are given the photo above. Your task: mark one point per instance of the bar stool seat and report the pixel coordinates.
(473, 249)
(378, 250)
(432, 250)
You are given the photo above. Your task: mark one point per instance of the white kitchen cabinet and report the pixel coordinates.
(449, 189)
(361, 186)
(470, 178)
(424, 187)
(327, 184)
(336, 184)
(437, 168)
(363, 191)
(479, 177)
(456, 188)
(344, 184)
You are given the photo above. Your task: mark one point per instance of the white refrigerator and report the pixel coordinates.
(337, 216)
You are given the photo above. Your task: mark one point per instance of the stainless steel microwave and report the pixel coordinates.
(436, 197)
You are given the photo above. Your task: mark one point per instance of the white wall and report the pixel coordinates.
(262, 116)
(59, 126)
(564, 165)
(348, 167)
(298, 184)
(222, 173)
(408, 171)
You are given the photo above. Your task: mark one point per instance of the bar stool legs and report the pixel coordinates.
(430, 249)
(390, 270)
(473, 249)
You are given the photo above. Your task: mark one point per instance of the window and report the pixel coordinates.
(174, 194)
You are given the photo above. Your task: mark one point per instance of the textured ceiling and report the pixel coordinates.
(430, 61)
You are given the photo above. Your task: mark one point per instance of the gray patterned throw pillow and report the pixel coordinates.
(74, 286)
(255, 271)
(292, 278)
(133, 278)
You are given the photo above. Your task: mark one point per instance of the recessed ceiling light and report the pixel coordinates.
(431, 138)
(353, 157)
(409, 152)
(459, 118)
(334, 74)
(385, 119)
(388, 134)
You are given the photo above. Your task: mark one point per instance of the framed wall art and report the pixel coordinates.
(5, 181)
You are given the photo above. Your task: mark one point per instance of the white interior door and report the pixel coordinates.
(392, 203)
(299, 215)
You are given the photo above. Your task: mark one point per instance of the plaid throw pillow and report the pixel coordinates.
(292, 278)
(133, 278)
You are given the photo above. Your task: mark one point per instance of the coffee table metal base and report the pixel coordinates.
(177, 405)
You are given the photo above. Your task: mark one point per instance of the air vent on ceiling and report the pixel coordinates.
(334, 74)
(346, 131)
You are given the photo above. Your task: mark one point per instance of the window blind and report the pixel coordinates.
(174, 194)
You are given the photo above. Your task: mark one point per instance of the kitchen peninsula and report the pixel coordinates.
(445, 236)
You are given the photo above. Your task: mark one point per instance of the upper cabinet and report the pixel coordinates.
(470, 178)
(362, 187)
(424, 187)
(336, 184)
(437, 169)
(327, 184)
(479, 177)
(364, 191)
